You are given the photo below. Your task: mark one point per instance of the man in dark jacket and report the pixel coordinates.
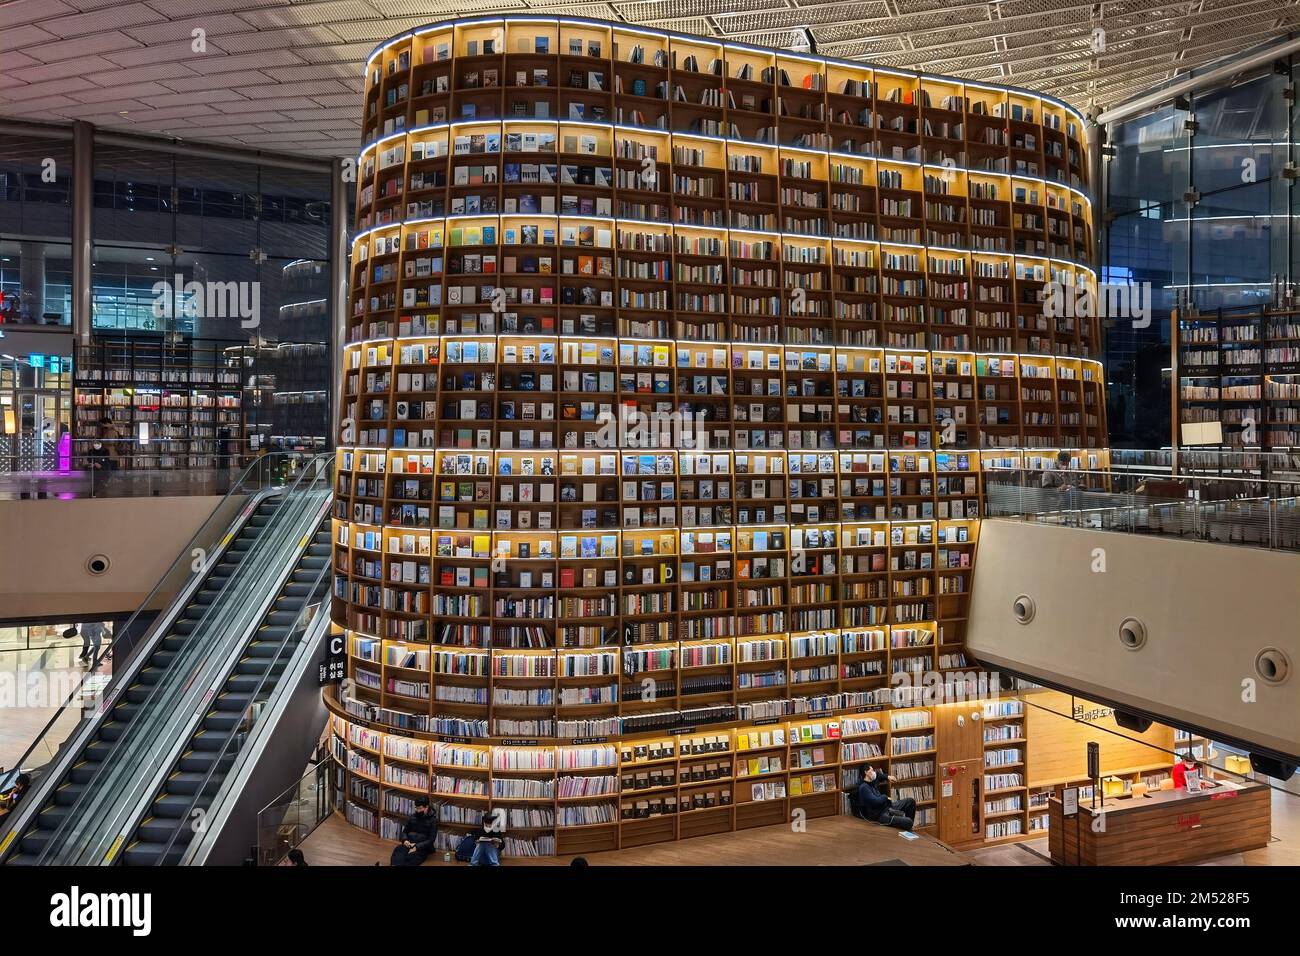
(418, 836)
(874, 803)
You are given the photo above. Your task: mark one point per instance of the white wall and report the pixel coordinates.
(44, 546)
(1208, 609)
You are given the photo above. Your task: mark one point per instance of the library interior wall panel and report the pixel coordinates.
(676, 374)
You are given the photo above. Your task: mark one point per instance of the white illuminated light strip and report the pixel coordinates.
(740, 143)
(672, 227)
(692, 343)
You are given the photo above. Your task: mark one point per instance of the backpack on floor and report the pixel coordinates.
(465, 848)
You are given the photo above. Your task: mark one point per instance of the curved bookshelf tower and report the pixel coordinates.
(675, 371)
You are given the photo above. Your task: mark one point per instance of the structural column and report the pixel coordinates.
(338, 294)
(83, 189)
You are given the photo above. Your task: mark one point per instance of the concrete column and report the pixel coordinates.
(83, 188)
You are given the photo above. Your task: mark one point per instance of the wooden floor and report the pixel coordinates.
(828, 841)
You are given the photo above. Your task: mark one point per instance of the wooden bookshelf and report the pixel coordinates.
(190, 396)
(1239, 369)
(598, 795)
(677, 372)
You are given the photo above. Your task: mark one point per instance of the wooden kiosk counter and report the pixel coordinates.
(1162, 826)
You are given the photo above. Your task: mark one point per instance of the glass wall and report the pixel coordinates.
(228, 254)
(1198, 207)
(192, 257)
(35, 230)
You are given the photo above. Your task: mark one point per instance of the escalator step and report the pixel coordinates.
(188, 784)
(201, 761)
(252, 666)
(268, 644)
(175, 806)
(52, 815)
(69, 793)
(220, 722)
(138, 693)
(160, 829)
(143, 853)
(231, 702)
(126, 711)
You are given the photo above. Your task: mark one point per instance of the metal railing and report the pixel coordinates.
(22, 477)
(1224, 510)
(290, 818)
(186, 572)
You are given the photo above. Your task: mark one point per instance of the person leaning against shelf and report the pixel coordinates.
(487, 848)
(873, 801)
(418, 836)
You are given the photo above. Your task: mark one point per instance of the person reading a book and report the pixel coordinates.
(874, 803)
(1184, 766)
(418, 836)
(487, 847)
(1062, 480)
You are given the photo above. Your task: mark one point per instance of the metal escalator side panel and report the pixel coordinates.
(1208, 610)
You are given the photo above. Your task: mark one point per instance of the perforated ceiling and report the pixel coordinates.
(286, 75)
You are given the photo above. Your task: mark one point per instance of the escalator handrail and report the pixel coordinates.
(312, 606)
(283, 517)
(126, 645)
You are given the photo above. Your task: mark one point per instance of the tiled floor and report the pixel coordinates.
(37, 683)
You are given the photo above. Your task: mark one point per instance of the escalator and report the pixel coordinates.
(119, 715)
(232, 616)
(168, 826)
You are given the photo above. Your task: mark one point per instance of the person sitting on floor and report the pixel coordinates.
(418, 836)
(488, 843)
(873, 802)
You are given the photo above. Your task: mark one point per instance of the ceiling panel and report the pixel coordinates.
(287, 75)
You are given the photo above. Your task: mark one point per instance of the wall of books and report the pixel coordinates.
(1237, 372)
(676, 374)
(175, 406)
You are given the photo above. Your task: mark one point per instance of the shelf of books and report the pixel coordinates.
(1238, 373)
(180, 404)
(1005, 797)
(600, 795)
(678, 376)
(499, 391)
(663, 186)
